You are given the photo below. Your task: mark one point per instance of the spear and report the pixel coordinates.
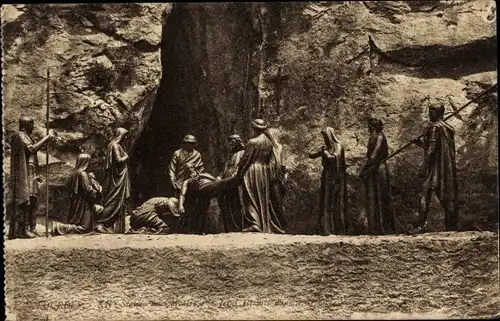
(365, 172)
(47, 159)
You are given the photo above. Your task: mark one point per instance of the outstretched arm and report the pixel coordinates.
(36, 146)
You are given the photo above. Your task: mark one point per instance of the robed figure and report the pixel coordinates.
(195, 197)
(178, 170)
(230, 203)
(153, 216)
(24, 179)
(439, 169)
(83, 207)
(260, 166)
(118, 186)
(333, 194)
(376, 178)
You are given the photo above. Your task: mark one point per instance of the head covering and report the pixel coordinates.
(119, 133)
(189, 139)
(439, 107)
(82, 162)
(259, 124)
(330, 136)
(23, 121)
(376, 123)
(235, 137)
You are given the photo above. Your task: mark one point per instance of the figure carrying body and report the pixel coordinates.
(196, 193)
(118, 186)
(152, 216)
(24, 179)
(178, 171)
(333, 200)
(380, 216)
(83, 209)
(230, 202)
(260, 167)
(439, 169)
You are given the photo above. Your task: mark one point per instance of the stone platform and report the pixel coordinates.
(252, 276)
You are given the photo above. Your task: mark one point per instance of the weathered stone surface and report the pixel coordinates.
(105, 67)
(339, 63)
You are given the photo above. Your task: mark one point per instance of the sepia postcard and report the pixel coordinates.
(250, 160)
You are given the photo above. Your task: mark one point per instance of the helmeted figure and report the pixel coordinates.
(439, 169)
(333, 198)
(379, 212)
(24, 180)
(118, 187)
(178, 171)
(230, 202)
(83, 208)
(261, 167)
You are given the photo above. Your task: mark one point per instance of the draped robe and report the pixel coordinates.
(82, 208)
(178, 169)
(380, 216)
(333, 194)
(199, 192)
(118, 186)
(441, 174)
(152, 216)
(260, 167)
(230, 202)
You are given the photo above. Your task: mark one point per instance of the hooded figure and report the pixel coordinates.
(83, 208)
(260, 167)
(118, 185)
(333, 198)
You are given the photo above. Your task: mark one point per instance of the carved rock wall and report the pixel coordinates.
(105, 67)
(330, 64)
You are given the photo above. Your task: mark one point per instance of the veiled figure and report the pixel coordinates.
(83, 206)
(260, 166)
(230, 202)
(380, 216)
(152, 216)
(118, 185)
(333, 198)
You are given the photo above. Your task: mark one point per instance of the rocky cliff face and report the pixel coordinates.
(302, 66)
(105, 68)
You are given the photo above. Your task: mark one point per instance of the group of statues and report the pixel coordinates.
(249, 191)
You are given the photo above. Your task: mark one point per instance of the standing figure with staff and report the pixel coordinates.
(25, 179)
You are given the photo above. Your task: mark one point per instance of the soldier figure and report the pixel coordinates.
(24, 179)
(178, 170)
(439, 169)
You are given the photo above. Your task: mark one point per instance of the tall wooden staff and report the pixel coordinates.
(47, 159)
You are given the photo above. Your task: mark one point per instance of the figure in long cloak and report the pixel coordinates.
(83, 207)
(439, 169)
(230, 202)
(195, 197)
(259, 168)
(333, 198)
(118, 186)
(178, 171)
(152, 216)
(279, 173)
(24, 180)
(380, 216)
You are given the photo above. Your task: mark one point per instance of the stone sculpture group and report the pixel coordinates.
(250, 190)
